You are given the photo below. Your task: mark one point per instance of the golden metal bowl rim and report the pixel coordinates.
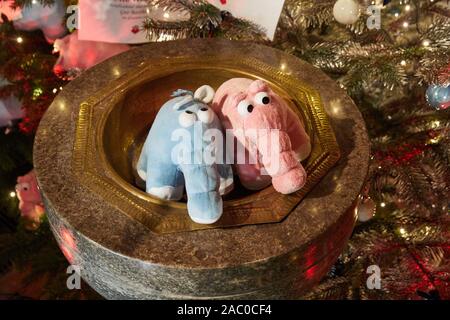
(318, 121)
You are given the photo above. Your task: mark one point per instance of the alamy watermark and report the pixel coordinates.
(237, 146)
(374, 280)
(373, 11)
(74, 279)
(374, 19)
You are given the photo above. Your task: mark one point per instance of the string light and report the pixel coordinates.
(37, 92)
(383, 204)
(19, 39)
(12, 194)
(426, 43)
(434, 140)
(405, 24)
(407, 7)
(403, 63)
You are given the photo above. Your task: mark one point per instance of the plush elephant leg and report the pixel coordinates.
(165, 182)
(226, 178)
(202, 187)
(251, 177)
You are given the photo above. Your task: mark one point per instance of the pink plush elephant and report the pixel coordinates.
(78, 55)
(48, 18)
(30, 205)
(246, 106)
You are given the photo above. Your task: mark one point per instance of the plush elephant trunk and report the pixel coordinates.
(280, 161)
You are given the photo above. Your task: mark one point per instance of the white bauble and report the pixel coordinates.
(366, 210)
(346, 11)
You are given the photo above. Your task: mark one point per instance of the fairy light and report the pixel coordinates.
(383, 204)
(426, 43)
(12, 194)
(166, 15)
(19, 39)
(403, 63)
(116, 71)
(405, 24)
(37, 92)
(55, 90)
(407, 7)
(434, 140)
(402, 231)
(435, 124)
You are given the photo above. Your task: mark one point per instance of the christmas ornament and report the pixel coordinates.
(50, 19)
(188, 117)
(366, 209)
(346, 11)
(10, 109)
(77, 55)
(245, 105)
(7, 10)
(438, 96)
(30, 205)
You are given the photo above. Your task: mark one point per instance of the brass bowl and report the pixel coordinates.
(113, 124)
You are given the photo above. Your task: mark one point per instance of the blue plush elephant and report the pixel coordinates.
(185, 147)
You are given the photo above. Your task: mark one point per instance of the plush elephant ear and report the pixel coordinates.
(205, 94)
(258, 86)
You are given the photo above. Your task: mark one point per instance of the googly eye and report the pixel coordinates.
(187, 118)
(205, 115)
(262, 98)
(245, 108)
